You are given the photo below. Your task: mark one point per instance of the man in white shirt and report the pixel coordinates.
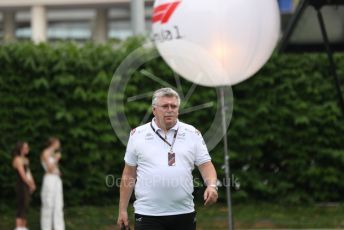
(159, 160)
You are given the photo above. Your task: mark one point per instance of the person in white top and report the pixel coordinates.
(159, 160)
(52, 192)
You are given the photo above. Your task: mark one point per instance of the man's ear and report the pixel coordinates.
(153, 110)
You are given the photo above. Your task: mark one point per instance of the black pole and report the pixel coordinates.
(330, 57)
(228, 182)
(291, 26)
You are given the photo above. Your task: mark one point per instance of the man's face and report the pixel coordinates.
(166, 111)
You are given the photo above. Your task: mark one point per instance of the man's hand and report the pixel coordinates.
(209, 176)
(125, 191)
(210, 196)
(123, 219)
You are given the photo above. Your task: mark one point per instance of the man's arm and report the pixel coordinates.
(126, 189)
(208, 173)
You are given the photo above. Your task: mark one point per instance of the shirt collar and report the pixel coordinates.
(155, 126)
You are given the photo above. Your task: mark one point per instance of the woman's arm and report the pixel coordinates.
(32, 179)
(19, 166)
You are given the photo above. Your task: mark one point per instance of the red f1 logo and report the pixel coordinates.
(163, 12)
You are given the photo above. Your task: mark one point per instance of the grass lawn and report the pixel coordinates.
(246, 216)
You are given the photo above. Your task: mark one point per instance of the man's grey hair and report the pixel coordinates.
(165, 92)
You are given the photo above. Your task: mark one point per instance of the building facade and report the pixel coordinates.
(49, 20)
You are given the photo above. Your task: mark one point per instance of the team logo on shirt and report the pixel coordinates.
(149, 136)
(181, 136)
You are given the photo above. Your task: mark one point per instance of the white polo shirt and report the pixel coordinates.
(161, 189)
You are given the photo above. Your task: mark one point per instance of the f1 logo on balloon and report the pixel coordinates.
(163, 12)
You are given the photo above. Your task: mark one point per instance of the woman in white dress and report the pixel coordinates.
(52, 193)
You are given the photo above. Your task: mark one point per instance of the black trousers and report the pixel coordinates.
(23, 199)
(174, 222)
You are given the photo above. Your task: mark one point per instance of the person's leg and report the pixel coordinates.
(47, 197)
(20, 205)
(143, 222)
(27, 199)
(183, 221)
(58, 207)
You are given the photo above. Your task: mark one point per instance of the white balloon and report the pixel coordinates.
(216, 42)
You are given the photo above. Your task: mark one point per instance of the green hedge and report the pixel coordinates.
(285, 135)
(286, 131)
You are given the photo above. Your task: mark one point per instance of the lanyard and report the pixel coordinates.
(174, 137)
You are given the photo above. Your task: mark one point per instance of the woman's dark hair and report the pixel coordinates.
(17, 149)
(50, 141)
